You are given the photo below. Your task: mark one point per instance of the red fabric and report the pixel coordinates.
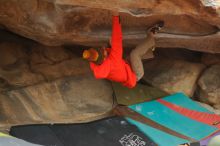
(114, 67)
(202, 117)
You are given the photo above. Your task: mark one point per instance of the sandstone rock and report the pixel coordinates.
(56, 62)
(19, 75)
(173, 75)
(51, 54)
(75, 99)
(11, 53)
(14, 68)
(209, 86)
(191, 24)
(210, 59)
(42, 84)
(22, 66)
(178, 54)
(210, 108)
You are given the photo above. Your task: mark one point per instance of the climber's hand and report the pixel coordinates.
(115, 13)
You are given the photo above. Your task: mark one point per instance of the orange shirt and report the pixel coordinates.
(114, 67)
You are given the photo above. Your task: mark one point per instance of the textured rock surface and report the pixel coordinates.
(22, 66)
(173, 75)
(178, 54)
(209, 85)
(210, 59)
(42, 84)
(192, 24)
(15, 70)
(60, 101)
(210, 108)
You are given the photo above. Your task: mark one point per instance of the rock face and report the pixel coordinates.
(42, 84)
(22, 66)
(210, 108)
(173, 75)
(210, 59)
(209, 86)
(60, 101)
(191, 24)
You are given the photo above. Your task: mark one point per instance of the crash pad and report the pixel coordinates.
(114, 131)
(138, 94)
(165, 116)
(7, 140)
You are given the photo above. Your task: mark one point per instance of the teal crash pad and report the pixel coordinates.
(173, 120)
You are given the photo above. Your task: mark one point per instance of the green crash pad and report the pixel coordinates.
(138, 94)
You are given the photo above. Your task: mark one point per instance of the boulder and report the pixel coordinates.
(73, 99)
(42, 84)
(172, 75)
(209, 86)
(191, 24)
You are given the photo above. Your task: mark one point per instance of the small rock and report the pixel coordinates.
(209, 86)
(172, 75)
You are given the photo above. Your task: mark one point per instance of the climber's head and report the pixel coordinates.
(96, 55)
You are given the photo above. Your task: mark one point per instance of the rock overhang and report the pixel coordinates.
(191, 24)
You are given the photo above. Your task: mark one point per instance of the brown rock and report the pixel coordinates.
(11, 53)
(173, 75)
(68, 100)
(14, 69)
(209, 86)
(178, 54)
(56, 62)
(55, 54)
(19, 75)
(191, 24)
(44, 84)
(210, 108)
(210, 59)
(24, 67)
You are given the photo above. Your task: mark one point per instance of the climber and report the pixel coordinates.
(108, 63)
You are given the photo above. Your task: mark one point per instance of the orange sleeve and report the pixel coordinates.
(100, 71)
(117, 50)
